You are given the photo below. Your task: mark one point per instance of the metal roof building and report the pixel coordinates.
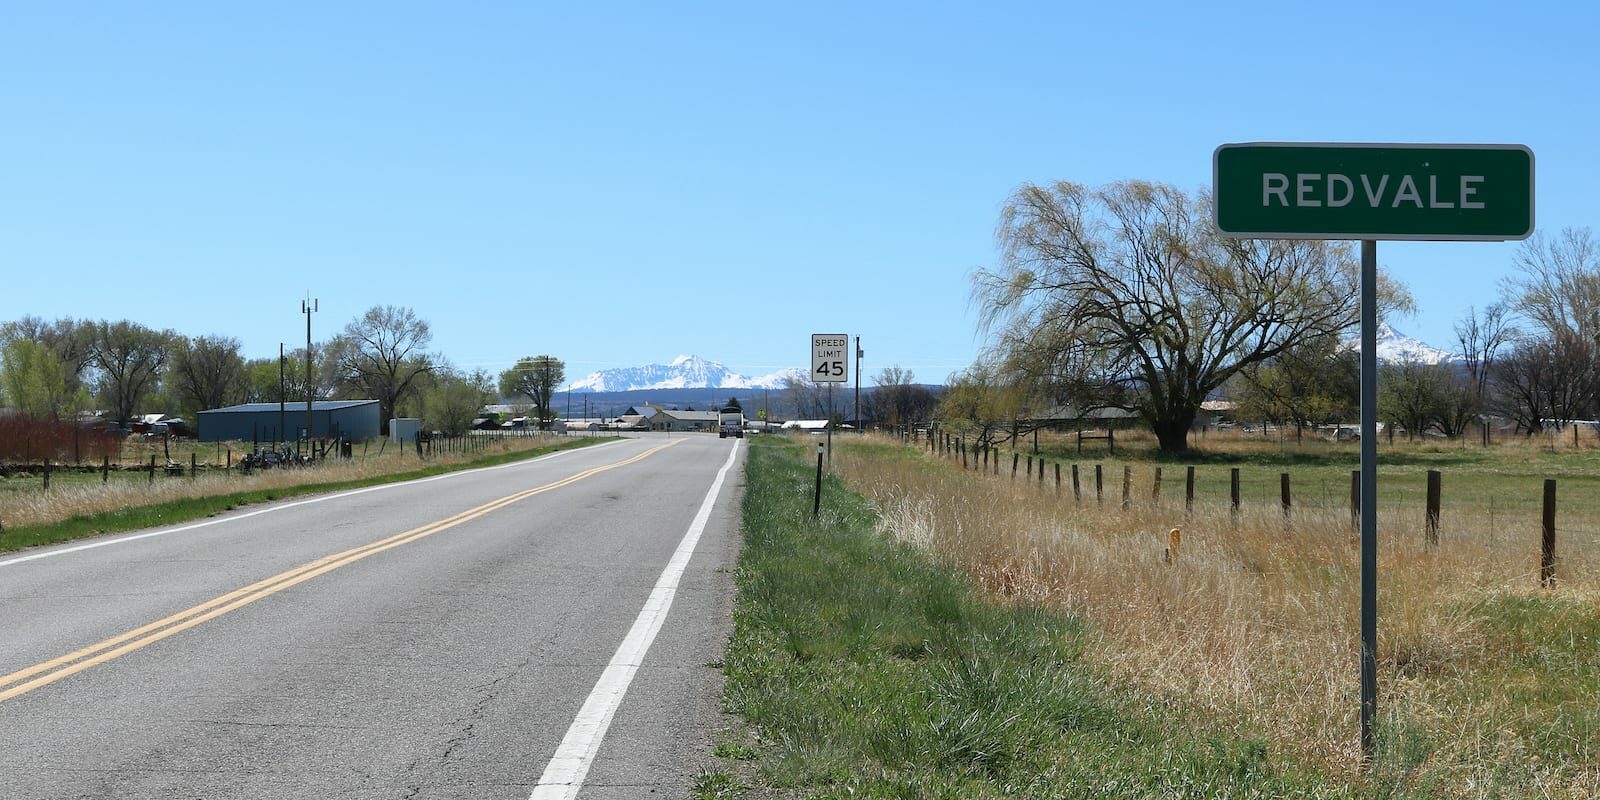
(330, 419)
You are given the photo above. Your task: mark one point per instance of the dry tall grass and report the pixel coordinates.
(81, 494)
(1253, 625)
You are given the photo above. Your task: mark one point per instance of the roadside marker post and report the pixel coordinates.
(816, 496)
(1372, 192)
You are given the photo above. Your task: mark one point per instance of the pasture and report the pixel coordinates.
(1489, 683)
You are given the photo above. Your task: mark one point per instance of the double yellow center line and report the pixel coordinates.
(26, 680)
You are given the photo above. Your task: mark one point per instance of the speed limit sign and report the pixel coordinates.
(829, 362)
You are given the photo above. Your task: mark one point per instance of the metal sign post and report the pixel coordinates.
(1369, 491)
(1424, 192)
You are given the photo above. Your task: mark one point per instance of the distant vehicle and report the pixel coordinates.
(730, 422)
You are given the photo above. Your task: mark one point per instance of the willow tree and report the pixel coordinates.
(1126, 296)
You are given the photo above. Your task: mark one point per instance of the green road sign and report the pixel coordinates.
(1435, 192)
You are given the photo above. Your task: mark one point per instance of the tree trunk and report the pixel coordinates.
(1172, 435)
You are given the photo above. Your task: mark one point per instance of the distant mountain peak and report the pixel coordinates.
(683, 372)
(1395, 347)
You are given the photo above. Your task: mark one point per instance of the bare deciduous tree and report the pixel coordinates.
(208, 372)
(897, 399)
(130, 358)
(1481, 339)
(1558, 285)
(536, 378)
(382, 354)
(1127, 296)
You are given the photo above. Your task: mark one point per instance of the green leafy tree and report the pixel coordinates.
(982, 401)
(71, 341)
(1413, 396)
(536, 378)
(1309, 384)
(453, 399)
(35, 380)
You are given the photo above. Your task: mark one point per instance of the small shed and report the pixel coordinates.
(330, 419)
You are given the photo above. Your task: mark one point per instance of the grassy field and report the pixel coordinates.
(868, 670)
(79, 503)
(1489, 685)
(1489, 495)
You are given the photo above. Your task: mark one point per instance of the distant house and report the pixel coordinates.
(806, 425)
(673, 420)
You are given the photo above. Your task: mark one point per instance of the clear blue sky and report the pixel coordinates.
(618, 185)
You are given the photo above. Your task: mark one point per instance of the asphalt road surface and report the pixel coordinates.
(541, 629)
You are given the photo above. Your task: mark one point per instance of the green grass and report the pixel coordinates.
(865, 670)
(175, 511)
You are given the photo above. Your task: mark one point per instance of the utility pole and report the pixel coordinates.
(859, 354)
(283, 391)
(308, 307)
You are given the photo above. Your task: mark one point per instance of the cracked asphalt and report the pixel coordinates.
(446, 667)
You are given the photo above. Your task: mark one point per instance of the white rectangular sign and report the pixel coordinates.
(830, 360)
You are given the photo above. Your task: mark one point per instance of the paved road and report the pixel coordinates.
(416, 640)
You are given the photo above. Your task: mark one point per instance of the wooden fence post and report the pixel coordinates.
(152, 480)
(1099, 487)
(1041, 473)
(1155, 490)
(1547, 549)
(1434, 480)
(1058, 479)
(1283, 491)
(1127, 487)
(1030, 466)
(963, 454)
(1188, 491)
(105, 468)
(47, 474)
(1015, 457)
(1355, 501)
(1233, 492)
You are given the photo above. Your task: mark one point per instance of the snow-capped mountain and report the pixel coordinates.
(685, 372)
(1395, 347)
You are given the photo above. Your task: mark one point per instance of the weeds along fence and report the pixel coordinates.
(1244, 612)
(133, 470)
(1548, 522)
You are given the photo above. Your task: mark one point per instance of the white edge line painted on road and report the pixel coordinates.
(296, 504)
(564, 775)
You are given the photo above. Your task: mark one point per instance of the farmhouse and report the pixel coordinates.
(330, 419)
(671, 420)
